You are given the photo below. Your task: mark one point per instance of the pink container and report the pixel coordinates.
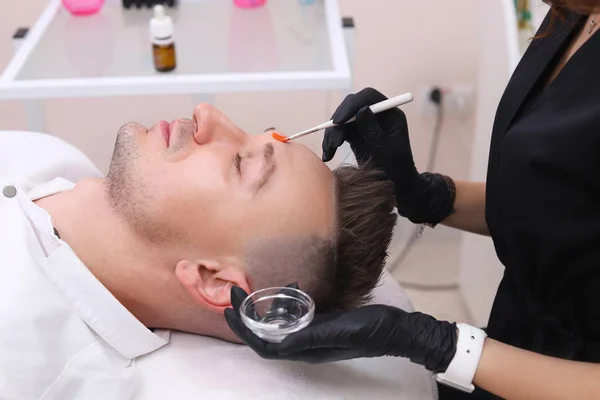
(83, 7)
(249, 3)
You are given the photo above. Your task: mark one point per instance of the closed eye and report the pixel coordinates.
(237, 162)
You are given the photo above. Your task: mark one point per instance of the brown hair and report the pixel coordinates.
(561, 8)
(340, 273)
(364, 229)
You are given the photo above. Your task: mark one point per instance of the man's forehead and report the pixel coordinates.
(308, 158)
(318, 179)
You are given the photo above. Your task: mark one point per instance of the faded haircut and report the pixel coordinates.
(339, 273)
(364, 229)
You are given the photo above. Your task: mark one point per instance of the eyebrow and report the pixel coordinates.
(268, 166)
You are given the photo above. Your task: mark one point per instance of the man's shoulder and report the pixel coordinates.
(31, 159)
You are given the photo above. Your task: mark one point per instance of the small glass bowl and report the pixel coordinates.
(274, 313)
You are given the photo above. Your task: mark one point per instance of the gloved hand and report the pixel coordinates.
(383, 141)
(370, 331)
(380, 138)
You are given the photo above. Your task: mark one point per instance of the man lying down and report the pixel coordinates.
(94, 267)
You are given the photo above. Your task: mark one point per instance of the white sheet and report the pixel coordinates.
(195, 367)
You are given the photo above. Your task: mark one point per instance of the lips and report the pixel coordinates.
(165, 130)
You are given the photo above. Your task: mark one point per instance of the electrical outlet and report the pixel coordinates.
(457, 101)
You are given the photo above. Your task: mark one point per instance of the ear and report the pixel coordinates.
(209, 283)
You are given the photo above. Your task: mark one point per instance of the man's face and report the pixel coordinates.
(206, 189)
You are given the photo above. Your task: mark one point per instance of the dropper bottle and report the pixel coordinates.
(163, 42)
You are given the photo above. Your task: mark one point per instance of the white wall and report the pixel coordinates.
(480, 270)
(404, 45)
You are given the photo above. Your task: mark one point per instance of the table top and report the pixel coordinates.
(285, 45)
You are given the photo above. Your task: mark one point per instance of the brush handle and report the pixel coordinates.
(391, 103)
(379, 107)
(375, 108)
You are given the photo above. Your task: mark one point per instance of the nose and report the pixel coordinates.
(211, 125)
(203, 121)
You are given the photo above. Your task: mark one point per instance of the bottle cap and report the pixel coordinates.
(161, 26)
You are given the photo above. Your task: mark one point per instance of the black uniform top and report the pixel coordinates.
(543, 201)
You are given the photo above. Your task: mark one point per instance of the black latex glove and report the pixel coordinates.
(381, 138)
(383, 141)
(370, 331)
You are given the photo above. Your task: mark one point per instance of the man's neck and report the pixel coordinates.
(140, 275)
(130, 269)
